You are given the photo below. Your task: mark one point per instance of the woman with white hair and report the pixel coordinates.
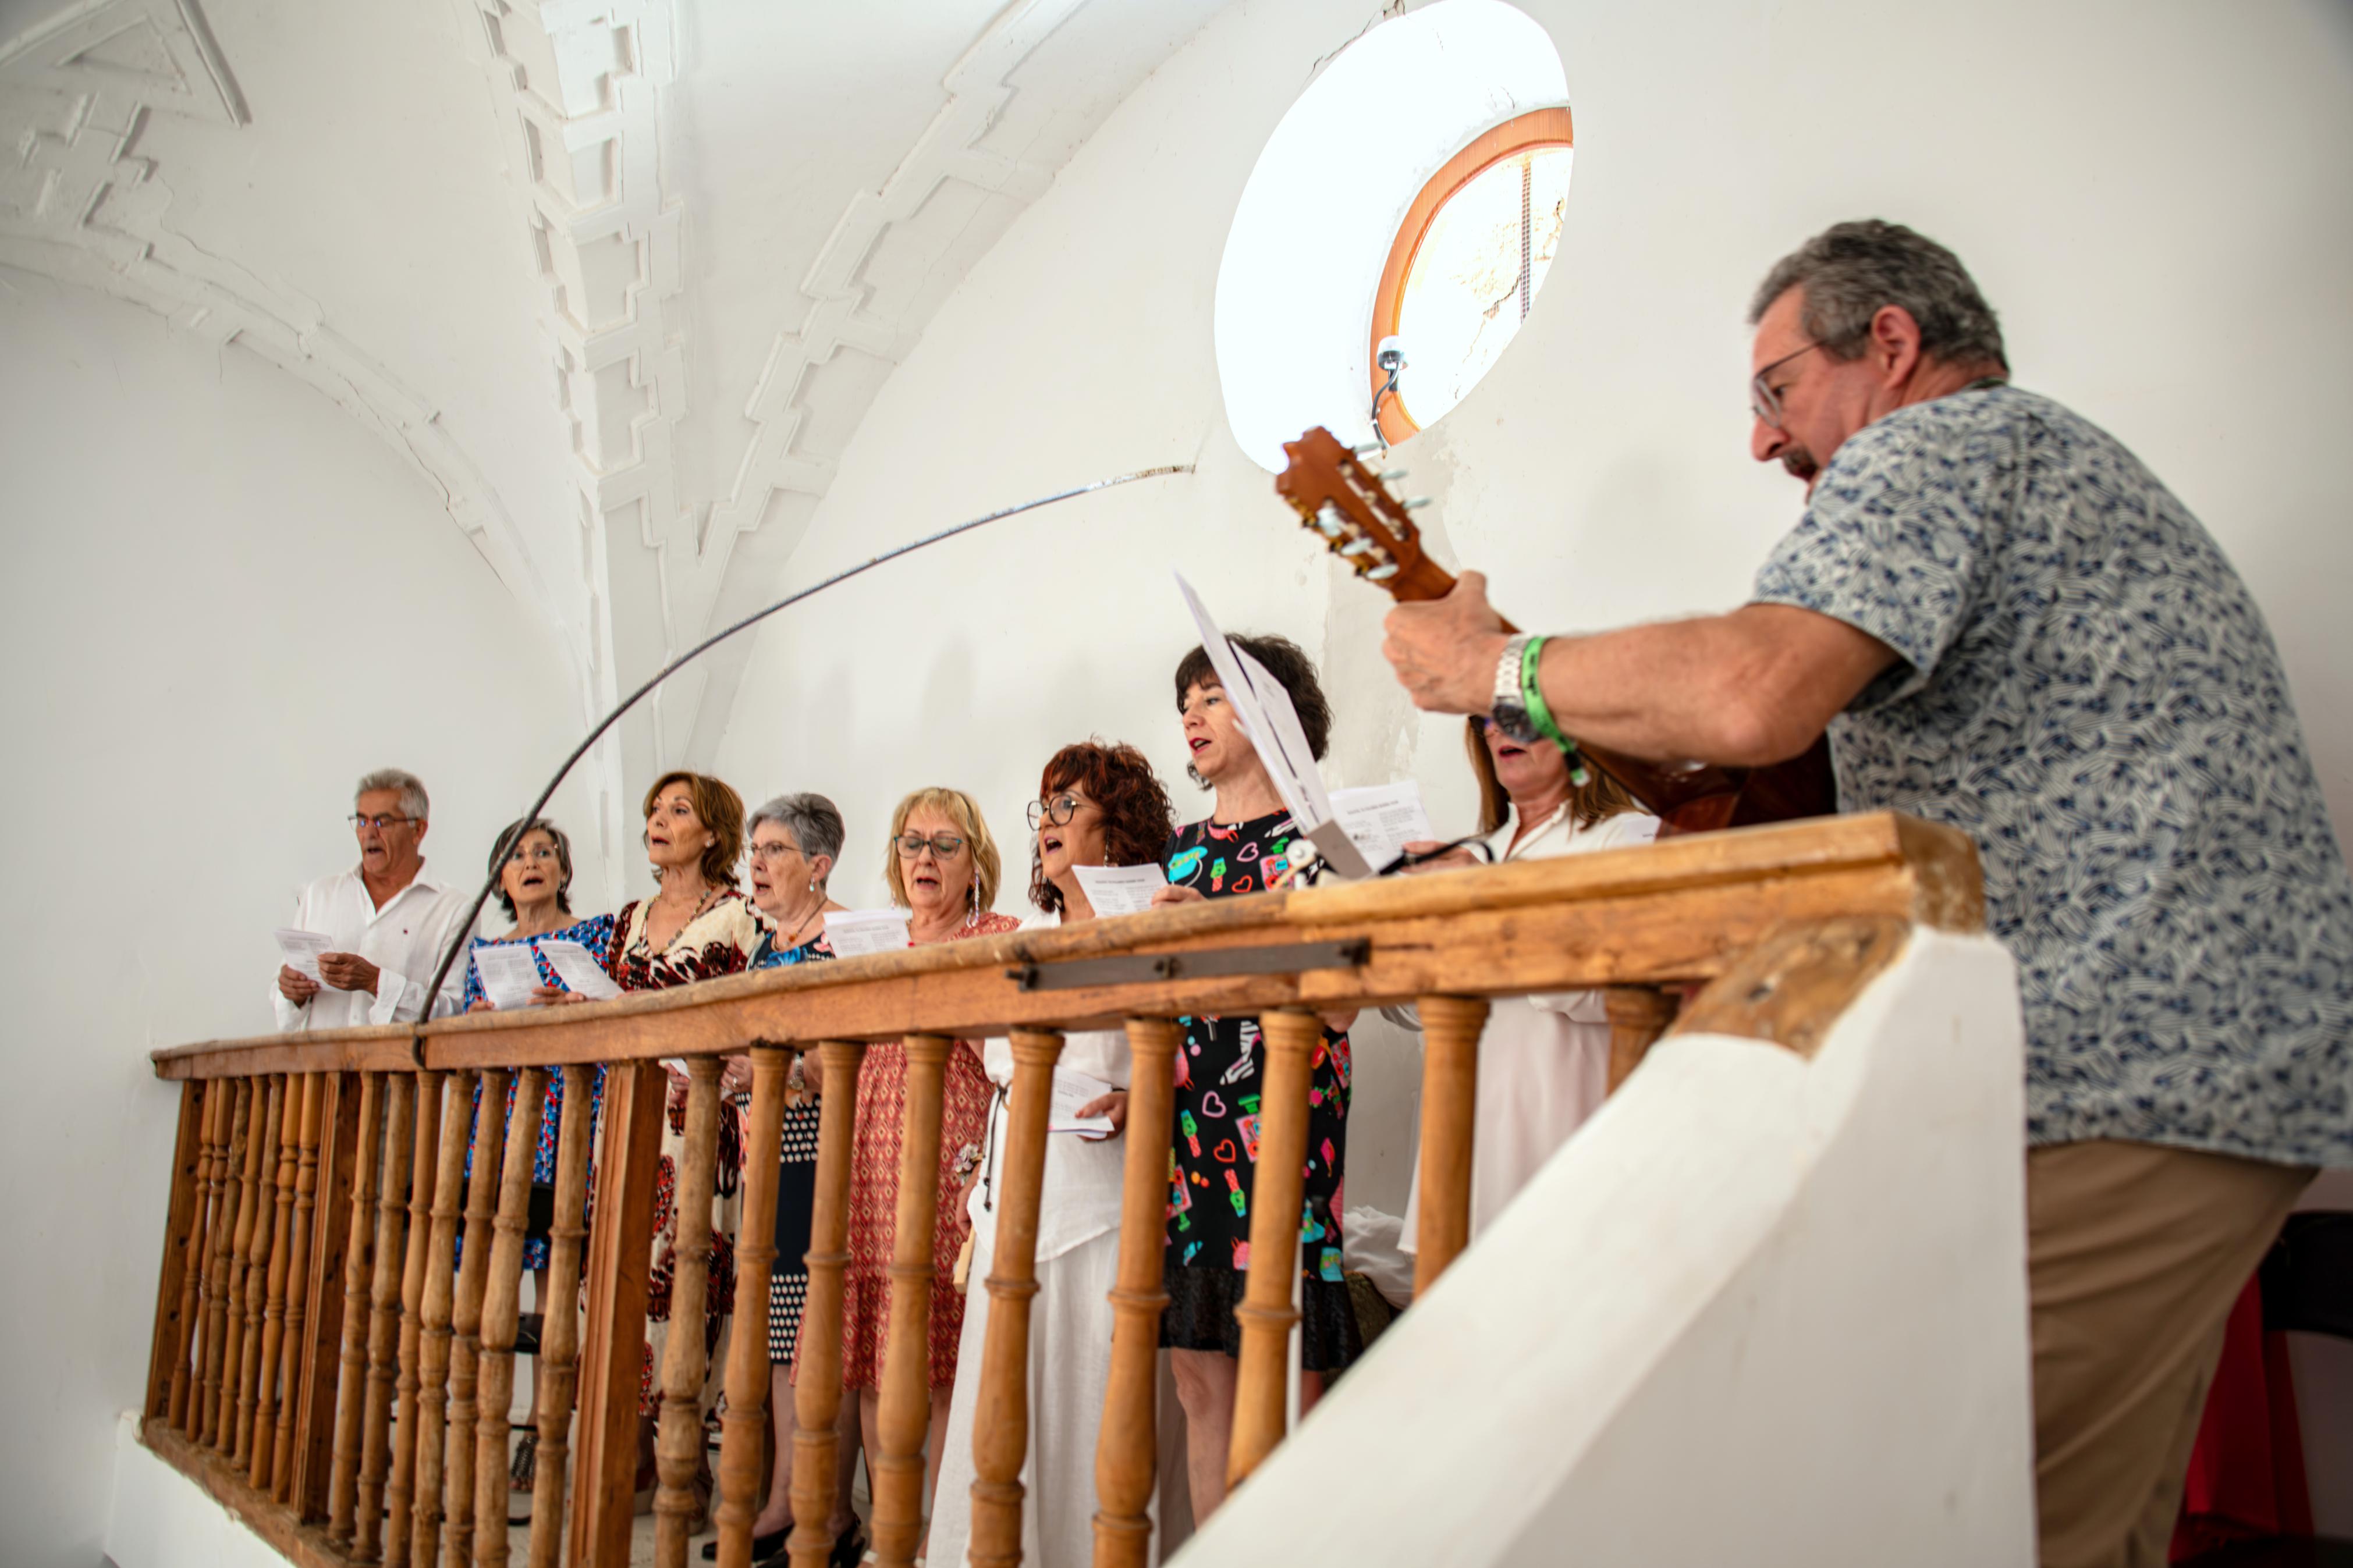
(796, 839)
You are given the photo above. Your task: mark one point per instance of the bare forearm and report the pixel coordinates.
(1749, 688)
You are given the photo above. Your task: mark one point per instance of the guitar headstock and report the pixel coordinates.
(1354, 513)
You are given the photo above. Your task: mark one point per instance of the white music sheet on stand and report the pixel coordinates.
(578, 969)
(1273, 725)
(1120, 889)
(508, 974)
(852, 934)
(1382, 818)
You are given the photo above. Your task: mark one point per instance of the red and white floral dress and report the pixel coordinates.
(874, 1198)
(720, 939)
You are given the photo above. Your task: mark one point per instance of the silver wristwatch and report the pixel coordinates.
(1510, 714)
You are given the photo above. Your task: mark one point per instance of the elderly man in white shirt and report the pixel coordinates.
(390, 920)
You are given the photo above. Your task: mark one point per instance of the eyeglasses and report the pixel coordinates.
(1763, 401)
(1057, 811)
(378, 823)
(943, 845)
(536, 852)
(763, 853)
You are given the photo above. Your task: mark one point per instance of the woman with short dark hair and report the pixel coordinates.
(1247, 844)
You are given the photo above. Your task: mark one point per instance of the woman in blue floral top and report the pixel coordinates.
(534, 888)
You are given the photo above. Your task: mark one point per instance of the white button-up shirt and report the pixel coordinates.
(405, 939)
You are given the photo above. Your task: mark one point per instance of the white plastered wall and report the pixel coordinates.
(2153, 197)
(224, 600)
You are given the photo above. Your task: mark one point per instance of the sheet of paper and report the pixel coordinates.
(578, 969)
(1120, 889)
(855, 933)
(302, 949)
(1272, 726)
(1382, 819)
(1073, 1089)
(507, 972)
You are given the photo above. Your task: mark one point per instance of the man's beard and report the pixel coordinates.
(1801, 464)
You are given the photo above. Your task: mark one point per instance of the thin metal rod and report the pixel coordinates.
(498, 859)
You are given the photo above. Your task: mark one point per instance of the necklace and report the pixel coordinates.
(791, 939)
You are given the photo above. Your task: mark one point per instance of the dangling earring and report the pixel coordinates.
(973, 917)
(812, 884)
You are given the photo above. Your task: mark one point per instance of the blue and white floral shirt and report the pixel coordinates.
(2085, 688)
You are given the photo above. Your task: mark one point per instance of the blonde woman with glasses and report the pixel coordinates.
(943, 868)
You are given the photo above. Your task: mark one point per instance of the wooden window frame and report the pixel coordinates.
(1537, 128)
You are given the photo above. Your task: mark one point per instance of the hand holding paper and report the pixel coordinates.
(301, 949)
(1382, 819)
(1120, 889)
(509, 977)
(578, 969)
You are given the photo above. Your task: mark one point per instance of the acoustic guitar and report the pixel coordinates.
(1358, 518)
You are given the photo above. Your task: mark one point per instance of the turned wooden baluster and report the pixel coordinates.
(1451, 1026)
(273, 1313)
(1639, 1014)
(495, 1376)
(167, 1346)
(1278, 1189)
(366, 1161)
(466, 1312)
(678, 1447)
(187, 1401)
(424, 1162)
(1000, 1431)
(1127, 1450)
(298, 1281)
(747, 1355)
(816, 1390)
(904, 1417)
(383, 1317)
(433, 1318)
(559, 1334)
(219, 1278)
(263, 1160)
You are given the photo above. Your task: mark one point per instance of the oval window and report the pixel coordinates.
(1466, 265)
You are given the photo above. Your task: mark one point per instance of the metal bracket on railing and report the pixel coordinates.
(1144, 968)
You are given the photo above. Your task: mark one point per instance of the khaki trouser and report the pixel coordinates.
(2135, 1254)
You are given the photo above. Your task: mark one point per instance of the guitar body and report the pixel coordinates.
(1374, 532)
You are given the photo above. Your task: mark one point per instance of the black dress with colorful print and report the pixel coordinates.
(1219, 1068)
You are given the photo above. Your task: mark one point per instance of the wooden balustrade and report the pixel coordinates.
(337, 1302)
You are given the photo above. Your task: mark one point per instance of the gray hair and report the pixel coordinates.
(412, 791)
(1852, 269)
(814, 822)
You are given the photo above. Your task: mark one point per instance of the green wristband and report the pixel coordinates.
(1532, 697)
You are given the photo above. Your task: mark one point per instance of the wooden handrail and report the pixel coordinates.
(1668, 912)
(310, 1310)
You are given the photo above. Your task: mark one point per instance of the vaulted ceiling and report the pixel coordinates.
(619, 278)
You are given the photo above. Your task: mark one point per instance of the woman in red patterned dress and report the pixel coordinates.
(697, 927)
(943, 868)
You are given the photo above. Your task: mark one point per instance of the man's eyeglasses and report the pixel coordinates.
(1057, 811)
(379, 823)
(1763, 401)
(943, 845)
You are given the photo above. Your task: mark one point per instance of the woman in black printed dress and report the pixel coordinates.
(1246, 845)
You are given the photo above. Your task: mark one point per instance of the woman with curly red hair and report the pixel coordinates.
(1097, 806)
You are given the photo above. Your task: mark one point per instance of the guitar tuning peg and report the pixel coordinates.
(1382, 574)
(1368, 448)
(1328, 522)
(1390, 475)
(1416, 503)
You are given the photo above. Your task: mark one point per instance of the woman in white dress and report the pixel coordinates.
(1098, 806)
(1543, 1060)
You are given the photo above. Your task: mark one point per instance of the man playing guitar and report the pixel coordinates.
(2006, 623)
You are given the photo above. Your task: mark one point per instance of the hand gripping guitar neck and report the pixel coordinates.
(1370, 529)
